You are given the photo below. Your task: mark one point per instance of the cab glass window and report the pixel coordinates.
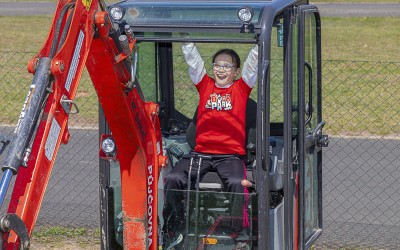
(146, 70)
(186, 95)
(276, 72)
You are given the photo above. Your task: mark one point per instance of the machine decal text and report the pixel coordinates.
(150, 200)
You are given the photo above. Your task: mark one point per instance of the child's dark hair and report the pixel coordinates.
(230, 52)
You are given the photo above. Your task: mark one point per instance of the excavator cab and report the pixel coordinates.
(132, 52)
(283, 123)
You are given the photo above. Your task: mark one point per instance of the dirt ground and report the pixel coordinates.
(63, 246)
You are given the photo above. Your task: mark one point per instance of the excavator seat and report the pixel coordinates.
(179, 146)
(211, 180)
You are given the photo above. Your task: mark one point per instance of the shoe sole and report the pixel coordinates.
(176, 242)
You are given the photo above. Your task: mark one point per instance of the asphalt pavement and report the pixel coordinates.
(359, 9)
(72, 195)
(26, 8)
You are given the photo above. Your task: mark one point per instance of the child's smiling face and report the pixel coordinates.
(224, 70)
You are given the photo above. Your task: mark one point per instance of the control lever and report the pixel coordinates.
(318, 129)
(5, 141)
(317, 136)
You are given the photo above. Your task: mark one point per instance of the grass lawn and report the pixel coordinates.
(349, 39)
(28, 33)
(362, 38)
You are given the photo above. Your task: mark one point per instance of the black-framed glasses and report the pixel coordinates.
(224, 67)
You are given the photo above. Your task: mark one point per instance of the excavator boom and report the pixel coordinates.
(83, 34)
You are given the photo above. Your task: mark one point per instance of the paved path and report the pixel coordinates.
(26, 8)
(360, 180)
(359, 10)
(326, 9)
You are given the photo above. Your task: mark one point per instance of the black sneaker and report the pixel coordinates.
(242, 240)
(242, 246)
(174, 243)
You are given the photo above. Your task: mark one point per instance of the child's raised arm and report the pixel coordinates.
(195, 62)
(250, 67)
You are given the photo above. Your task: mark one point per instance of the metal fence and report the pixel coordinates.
(361, 181)
(71, 199)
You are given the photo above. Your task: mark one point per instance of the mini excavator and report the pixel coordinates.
(131, 50)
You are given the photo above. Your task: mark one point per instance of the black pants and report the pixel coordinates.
(230, 170)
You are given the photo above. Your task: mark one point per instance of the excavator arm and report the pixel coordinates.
(83, 34)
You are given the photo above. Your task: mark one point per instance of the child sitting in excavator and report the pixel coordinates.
(220, 132)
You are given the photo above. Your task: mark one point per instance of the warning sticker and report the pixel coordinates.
(87, 4)
(52, 139)
(209, 241)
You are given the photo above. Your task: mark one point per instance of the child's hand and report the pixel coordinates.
(246, 183)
